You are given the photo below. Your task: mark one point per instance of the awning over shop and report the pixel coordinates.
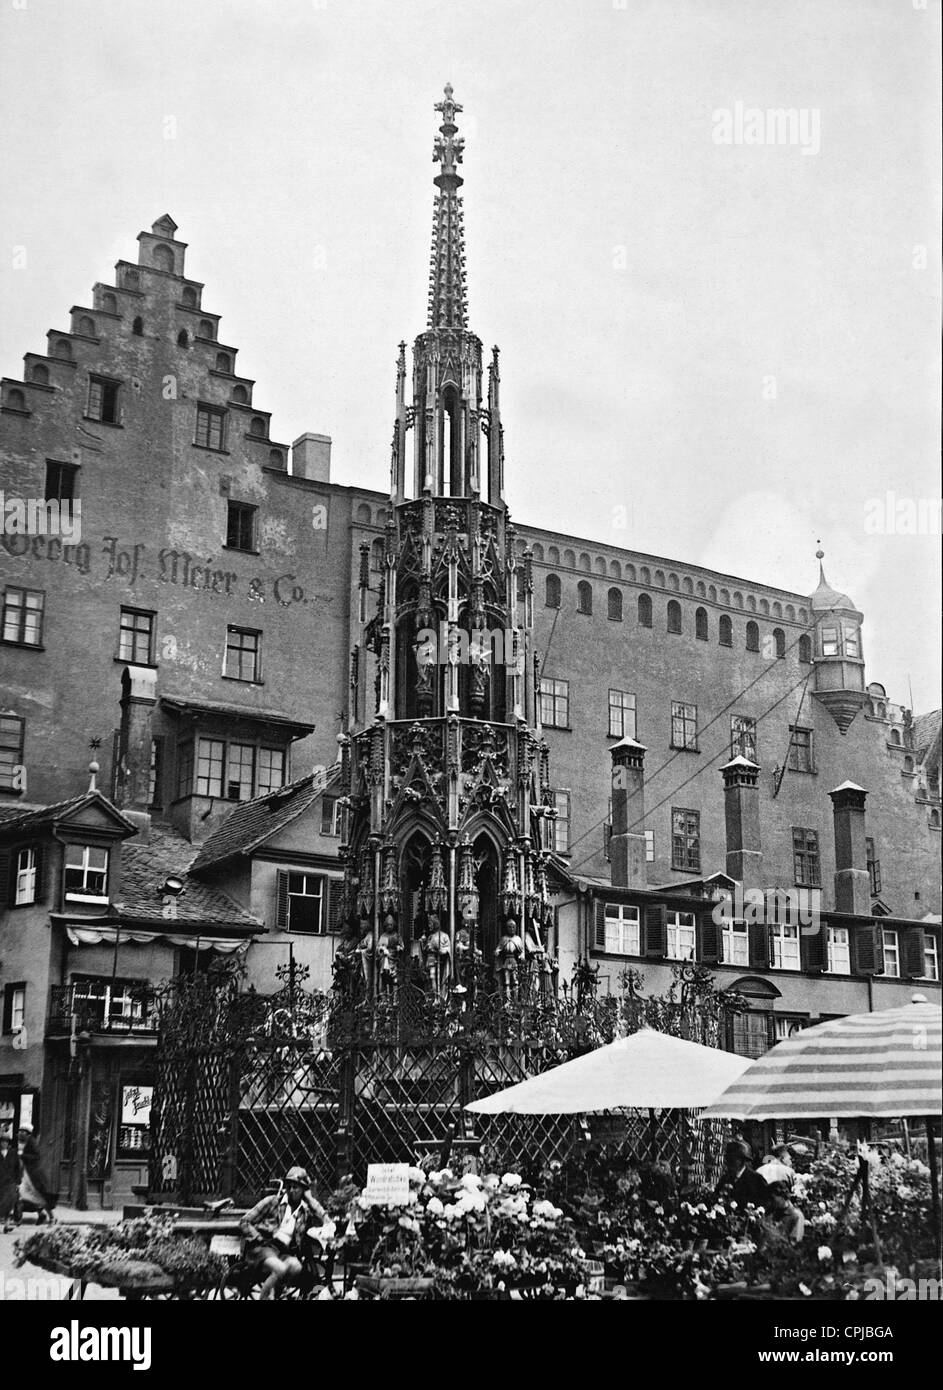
(94, 936)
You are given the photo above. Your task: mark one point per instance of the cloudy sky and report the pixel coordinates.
(715, 352)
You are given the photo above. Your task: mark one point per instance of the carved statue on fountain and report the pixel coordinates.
(389, 957)
(437, 957)
(509, 953)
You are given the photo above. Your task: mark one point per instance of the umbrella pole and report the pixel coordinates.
(867, 1205)
(934, 1181)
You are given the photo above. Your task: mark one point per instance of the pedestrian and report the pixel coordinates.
(741, 1182)
(9, 1182)
(35, 1191)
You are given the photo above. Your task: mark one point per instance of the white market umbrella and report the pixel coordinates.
(646, 1071)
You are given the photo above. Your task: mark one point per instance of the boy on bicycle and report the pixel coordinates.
(276, 1226)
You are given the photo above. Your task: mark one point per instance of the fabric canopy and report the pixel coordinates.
(877, 1066)
(94, 936)
(648, 1070)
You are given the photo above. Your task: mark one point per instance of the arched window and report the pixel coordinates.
(674, 616)
(644, 610)
(163, 258)
(895, 737)
(109, 304)
(40, 374)
(805, 648)
(257, 427)
(16, 400)
(584, 596)
(700, 624)
(779, 637)
(137, 327)
(276, 458)
(63, 350)
(189, 296)
(377, 553)
(552, 591)
(753, 637)
(934, 820)
(206, 329)
(725, 631)
(131, 277)
(183, 339)
(615, 605)
(86, 327)
(908, 764)
(223, 364)
(240, 395)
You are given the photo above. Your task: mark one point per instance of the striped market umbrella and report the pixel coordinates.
(875, 1066)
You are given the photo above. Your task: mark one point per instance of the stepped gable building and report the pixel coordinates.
(230, 622)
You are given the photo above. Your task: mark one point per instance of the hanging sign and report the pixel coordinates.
(387, 1184)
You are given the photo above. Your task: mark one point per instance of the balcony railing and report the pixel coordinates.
(101, 1007)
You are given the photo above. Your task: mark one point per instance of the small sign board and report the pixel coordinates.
(222, 1244)
(387, 1184)
(607, 1129)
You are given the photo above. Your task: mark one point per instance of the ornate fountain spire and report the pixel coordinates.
(447, 297)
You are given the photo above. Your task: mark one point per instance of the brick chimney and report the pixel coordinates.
(138, 698)
(742, 821)
(627, 841)
(852, 881)
(311, 458)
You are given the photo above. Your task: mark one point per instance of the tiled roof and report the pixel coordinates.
(926, 732)
(145, 868)
(20, 818)
(254, 822)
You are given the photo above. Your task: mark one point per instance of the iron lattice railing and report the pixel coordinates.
(248, 1086)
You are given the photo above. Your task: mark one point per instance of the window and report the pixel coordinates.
(240, 771)
(209, 767)
(784, 946)
(23, 616)
(584, 596)
(852, 643)
(257, 427)
(743, 737)
(182, 339)
(271, 765)
(681, 936)
(99, 1004)
(12, 732)
(243, 654)
(685, 839)
(674, 616)
(874, 867)
(750, 1033)
(735, 944)
(700, 624)
(753, 637)
(805, 857)
(891, 940)
(644, 610)
(184, 769)
(25, 882)
(137, 327)
(60, 481)
(86, 872)
(683, 725)
(155, 780)
(223, 364)
(838, 951)
(805, 648)
(621, 714)
(561, 826)
(800, 750)
(614, 605)
(725, 631)
(303, 911)
(830, 637)
(210, 427)
(621, 930)
(931, 958)
(14, 1008)
(649, 846)
(552, 591)
(240, 526)
(103, 400)
(779, 637)
(554, 703)
(136, 636)
(331, 815)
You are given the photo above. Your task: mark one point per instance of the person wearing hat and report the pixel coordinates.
(275, 1228)
(741, 1183)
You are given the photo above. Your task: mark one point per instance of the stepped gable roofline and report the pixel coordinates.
(179, 704)
(144, 870)
(27, 819)
(253, 823)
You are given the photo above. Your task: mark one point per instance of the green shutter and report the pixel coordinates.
(7, 877)
(709, 942)
(913, 959)
(759, 945)
(813, 948)
(867, 949)
(600, 932)
(656, 932)
(333, 891)
(281, 901)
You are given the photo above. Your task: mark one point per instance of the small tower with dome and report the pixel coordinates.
(839, 682)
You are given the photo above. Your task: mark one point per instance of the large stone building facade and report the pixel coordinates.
(216, 633)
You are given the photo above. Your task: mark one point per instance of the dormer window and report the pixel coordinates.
(86, 873)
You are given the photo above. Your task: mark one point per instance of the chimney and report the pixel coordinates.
(742, 821)
(133, 782)
(627, 841)
(311, 458)
(852, 881)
